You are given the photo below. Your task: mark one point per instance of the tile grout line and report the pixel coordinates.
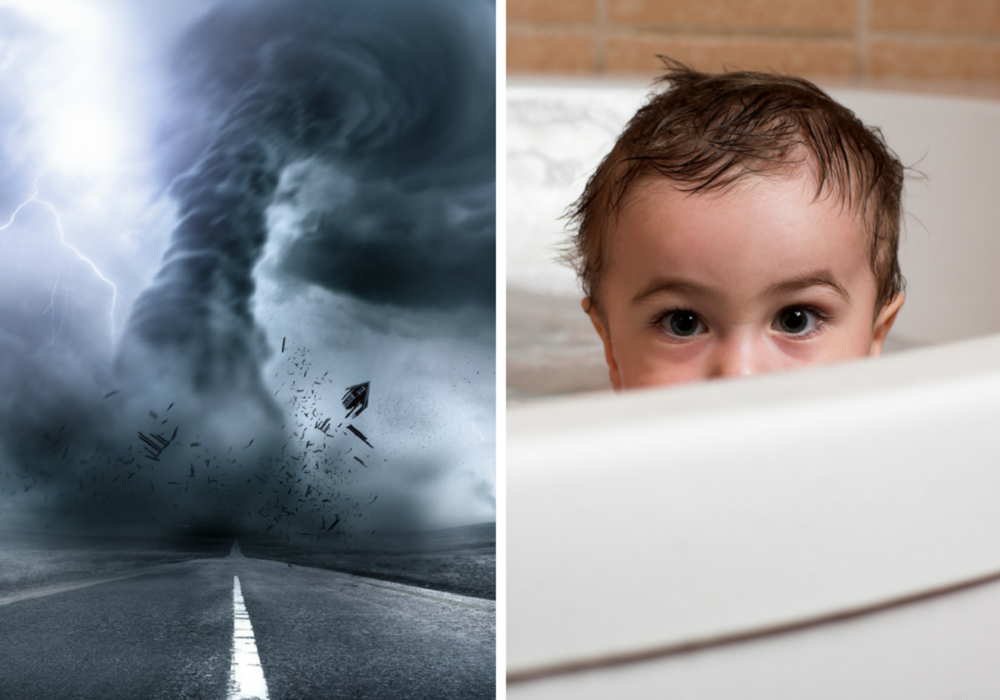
(246, 675)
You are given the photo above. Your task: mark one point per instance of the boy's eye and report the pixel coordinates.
(796, 320)
(682, 323)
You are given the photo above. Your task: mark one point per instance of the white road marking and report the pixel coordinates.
(246, 676)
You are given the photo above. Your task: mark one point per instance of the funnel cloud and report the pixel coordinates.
(294, 200)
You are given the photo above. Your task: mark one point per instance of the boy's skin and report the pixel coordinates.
(776, 278)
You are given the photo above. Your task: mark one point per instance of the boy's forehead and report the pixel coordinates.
(759, 222)
(790, 195)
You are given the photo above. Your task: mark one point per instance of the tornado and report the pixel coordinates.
(371, 123)
(362, 85)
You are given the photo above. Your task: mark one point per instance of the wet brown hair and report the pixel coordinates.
(709, 131)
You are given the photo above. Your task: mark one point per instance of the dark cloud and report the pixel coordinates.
(403, 88)
(401, 249)
(364, 131)
(399, 95)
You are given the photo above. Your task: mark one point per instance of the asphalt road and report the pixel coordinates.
(167, 632)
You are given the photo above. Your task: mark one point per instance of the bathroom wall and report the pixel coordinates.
(853, 41)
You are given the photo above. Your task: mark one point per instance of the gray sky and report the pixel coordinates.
(210, 183)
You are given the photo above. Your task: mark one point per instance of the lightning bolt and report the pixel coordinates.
(34, 198)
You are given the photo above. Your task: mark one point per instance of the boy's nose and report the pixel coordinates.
(739, 356)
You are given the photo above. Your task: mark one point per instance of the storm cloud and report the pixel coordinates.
(398, 97)
(326, 175)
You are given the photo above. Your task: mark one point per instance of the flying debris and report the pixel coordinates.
(360, 435)
(112, 393)
(304, 487)
(356, 399)
(282, 344)
(155, 444)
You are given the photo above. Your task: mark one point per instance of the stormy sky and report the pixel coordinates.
(214, 218)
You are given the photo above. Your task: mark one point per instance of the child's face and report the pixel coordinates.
(759, 278)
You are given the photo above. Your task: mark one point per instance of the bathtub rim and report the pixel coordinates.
(955, 372)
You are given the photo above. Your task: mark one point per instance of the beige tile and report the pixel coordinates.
(552, 10)
(937, 16)
(636, 53)
(550, 51)
(815, 15)
(934, 60)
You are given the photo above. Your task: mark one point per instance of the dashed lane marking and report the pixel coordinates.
(246, 675)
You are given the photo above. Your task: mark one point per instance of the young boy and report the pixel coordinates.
(742, 223)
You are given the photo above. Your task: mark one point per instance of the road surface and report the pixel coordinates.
(170, 631)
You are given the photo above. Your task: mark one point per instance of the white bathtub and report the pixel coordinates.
(832, 532)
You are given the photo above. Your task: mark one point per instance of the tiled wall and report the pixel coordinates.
(845, 39)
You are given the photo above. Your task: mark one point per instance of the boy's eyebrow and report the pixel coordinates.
(677, 286)
(822, 278)
(816, 279)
